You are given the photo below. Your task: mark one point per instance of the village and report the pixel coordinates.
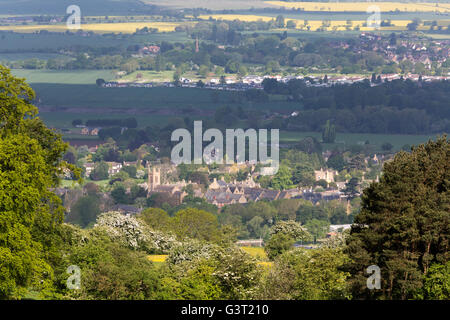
(160, 179)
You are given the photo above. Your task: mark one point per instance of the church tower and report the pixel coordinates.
(154, 177)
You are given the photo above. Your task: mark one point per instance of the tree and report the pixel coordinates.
(120, 195)
(100, 171)
(203, 71)
(242, 72)
(387, 146)
(131, 170)
(329, 133)
(100, 82)
(77, 122)
(351, 188)
(282, 180)
(278, 244)
(111, 271)
(195, 224)
(436, 283)
(255, 225)
(317, 228)
(309, 145)
(30, 213)
(279, 21)
(412, 26)
(292, 229)
(302, 274)
(291, 24)
(403, 225)
(156, 219)
(336, 161)
(85, 211)
(303, 175)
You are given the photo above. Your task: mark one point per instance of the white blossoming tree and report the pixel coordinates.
(134, 233)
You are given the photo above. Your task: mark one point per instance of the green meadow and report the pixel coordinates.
(62, 77)
(348, 139)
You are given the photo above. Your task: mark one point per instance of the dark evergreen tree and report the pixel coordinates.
(404, 223)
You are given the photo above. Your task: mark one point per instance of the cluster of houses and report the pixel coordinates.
(255, 82)
(222, 193)
(90, 131)
(113, 167)
(411, 49)
(149, 50)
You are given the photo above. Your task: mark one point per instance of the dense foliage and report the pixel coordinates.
(403, 226)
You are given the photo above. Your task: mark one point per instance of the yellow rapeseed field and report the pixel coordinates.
(157, 258)
(256, 252)
(339, 25)
(362, 6)
(99, 27)
(266, 265)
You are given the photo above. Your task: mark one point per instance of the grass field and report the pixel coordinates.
(58, 7)
(62, 119)
(22, 42)
(148, 76)
(346, 139)
(129, 27)
(63, 77)
(211, 4)
(31, 55)
(362, 6)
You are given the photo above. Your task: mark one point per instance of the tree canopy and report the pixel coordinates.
(403, 226)
(30, 165)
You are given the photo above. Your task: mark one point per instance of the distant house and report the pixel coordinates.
(88, 131)
(327, 175)
(127, 209)
(185, 80)
(94, 132)
(114, 167)
(250, 243)
(89, 167)
(153, 49)
(93, 149)
(131, 163)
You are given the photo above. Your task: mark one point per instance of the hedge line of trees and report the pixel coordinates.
(391, 107)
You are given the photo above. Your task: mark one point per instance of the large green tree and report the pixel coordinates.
(302, 274)
(30, 165)
(404, 223)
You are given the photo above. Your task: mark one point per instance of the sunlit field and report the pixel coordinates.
(256, 252)
(314, 25)
(362, 6)
(100, 27)
(157, 258)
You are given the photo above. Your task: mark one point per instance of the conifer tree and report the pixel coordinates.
(404, 223)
